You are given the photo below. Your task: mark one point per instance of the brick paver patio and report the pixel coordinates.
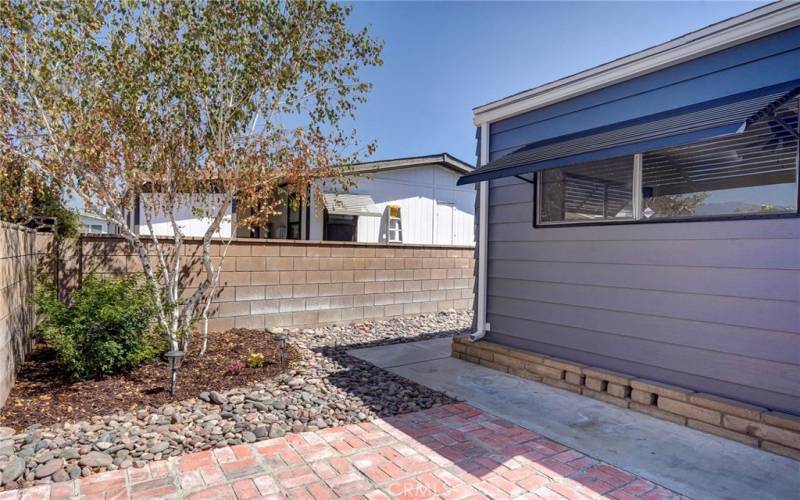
(448, 452)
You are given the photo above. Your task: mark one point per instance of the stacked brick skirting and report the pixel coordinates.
(303, 283)
(752, 425)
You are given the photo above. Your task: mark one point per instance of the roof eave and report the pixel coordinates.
(443, 159)
(734, 31)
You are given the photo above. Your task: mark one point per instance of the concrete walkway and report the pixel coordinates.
(448, 452)
(687, 461)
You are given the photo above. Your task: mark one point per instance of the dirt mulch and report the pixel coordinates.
(42, 395)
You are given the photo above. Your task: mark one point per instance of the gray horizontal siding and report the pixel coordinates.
(767, 314)
(771, 229)
(731, 252)
(714, 306)
(777, 346)
(765, 284)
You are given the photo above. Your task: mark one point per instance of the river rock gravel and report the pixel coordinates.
(325, 388)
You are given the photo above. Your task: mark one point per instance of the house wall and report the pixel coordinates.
(191, 225)
(433, 209)
(20, 249)
(710, 306)
(297, 283)
(92, 224)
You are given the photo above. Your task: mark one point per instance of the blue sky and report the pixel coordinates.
(441, 59)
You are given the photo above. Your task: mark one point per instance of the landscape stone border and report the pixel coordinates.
(754, 426)
(325, 388)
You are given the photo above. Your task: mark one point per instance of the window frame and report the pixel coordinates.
(637, 199)
(537, 194)
(398, 230)
(326, 227)
(290, 197)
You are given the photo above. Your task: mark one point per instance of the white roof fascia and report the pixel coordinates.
(737, 30)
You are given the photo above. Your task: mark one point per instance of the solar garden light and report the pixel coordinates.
(280, 339)
(175, 359)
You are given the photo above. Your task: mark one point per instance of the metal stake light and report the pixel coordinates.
(280, 339)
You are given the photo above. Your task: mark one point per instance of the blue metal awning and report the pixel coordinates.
(728, 115)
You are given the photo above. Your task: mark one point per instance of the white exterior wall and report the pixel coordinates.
(433, 210)
(188, 222)
(89, 224)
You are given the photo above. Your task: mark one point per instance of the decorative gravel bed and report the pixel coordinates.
(325, 387)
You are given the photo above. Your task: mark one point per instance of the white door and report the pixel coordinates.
(443, 232)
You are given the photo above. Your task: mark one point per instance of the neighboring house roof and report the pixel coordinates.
(757, 23)
(90, 215)
(350, 204)
(443, 160)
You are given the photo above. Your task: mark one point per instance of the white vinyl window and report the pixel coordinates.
(742, 175)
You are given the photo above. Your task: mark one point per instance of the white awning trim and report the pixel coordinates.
(350, 204)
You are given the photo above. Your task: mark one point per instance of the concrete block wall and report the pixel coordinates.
(19, 257)
(302, 283)
(752, 425)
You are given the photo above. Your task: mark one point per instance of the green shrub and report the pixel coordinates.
(108, 328)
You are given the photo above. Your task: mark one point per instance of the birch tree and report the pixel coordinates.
(181, 103)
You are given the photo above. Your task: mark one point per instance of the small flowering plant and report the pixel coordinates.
(235, 367)
(255, 360)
